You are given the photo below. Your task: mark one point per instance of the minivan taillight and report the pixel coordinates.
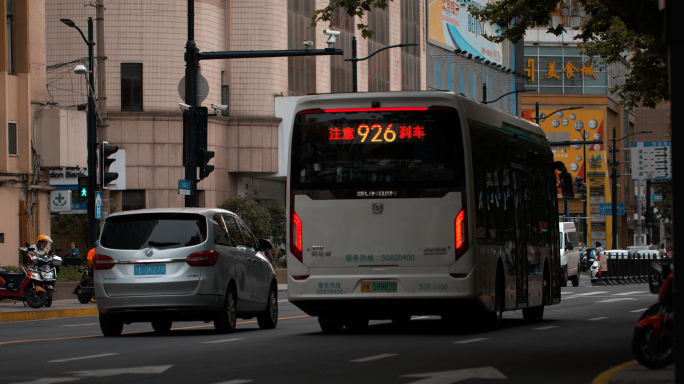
(202, 259)
(296, 236)
(461, 233)
(102, 262)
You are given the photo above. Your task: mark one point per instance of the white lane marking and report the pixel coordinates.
(614, 300)
(83, 357)
(590, 293)
(419, 317)
(547, 327)
(372, 358)
(448, 377)
(280, 301)
(598, 318)
(50, 380)
(80, 325)
(629, 293)
(236, 381)
(220, 341)
(639, 310)
(470, 341)
(123, 371)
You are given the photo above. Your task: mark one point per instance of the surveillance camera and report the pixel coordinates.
(219, 107)
(330, 32)
(308, 43)
(184, 107)
(331, 42)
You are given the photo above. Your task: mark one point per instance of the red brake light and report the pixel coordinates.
(296, 236)
(389, 109)
(461, 233)
(102, 262)
(202, 259)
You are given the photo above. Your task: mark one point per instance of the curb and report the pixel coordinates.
(10, 317)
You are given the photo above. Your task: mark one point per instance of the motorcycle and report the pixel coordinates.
(586, 260)
(653, 339)
(36, 285)
(85, 290)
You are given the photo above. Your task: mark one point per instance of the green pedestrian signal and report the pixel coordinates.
(83, 186)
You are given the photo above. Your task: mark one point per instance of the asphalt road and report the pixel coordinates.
(588, 333)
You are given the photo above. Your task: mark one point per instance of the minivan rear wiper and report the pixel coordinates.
(161, 244)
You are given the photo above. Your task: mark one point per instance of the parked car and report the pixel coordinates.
(182, 264)
(570, 254)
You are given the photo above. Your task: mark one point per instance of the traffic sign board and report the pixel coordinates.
(606, 209)
(651, 160)
(657, 197)
(98, 205)
(184, 187)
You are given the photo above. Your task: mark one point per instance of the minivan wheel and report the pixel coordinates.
(564, 276)
(269, 318)
(110, 325)
(162, 326)
(575, 279)
(226, 320)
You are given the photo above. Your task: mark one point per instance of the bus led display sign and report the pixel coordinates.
(375, 133)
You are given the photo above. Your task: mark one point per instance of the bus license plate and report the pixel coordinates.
(378, 286)
(150, 269)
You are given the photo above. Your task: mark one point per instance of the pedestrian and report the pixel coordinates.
(90, 256)
(599, 248)
(662, 252)
(73, 251)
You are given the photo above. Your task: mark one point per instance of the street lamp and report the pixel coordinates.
(614, 176)
(355, 60)
(91, 133)
(537, 117)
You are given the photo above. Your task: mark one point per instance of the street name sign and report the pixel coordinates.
(184, 187)
(651, 160)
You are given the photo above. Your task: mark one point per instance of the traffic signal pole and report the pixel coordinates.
(192, 116)
(91, 138)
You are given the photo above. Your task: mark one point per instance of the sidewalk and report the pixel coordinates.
(11, 311)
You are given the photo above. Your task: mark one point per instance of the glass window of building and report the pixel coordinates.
(9, 26)
(131, 87)
(341, 71)
(301, 70)
(378, 65)
(410, 56)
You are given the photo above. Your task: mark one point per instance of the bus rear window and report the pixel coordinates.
(403, 148)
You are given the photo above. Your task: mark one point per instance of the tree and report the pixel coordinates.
(257, 219)
(277, 230)
(616, 30)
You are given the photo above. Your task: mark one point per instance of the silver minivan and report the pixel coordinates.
(570, 254)
(182, 264)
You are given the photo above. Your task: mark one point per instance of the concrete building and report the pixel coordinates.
(24, 191)
(143, 45)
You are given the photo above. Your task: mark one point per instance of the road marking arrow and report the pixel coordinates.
(448, 377)
(122, 371)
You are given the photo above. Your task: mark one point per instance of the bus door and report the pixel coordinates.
(520, 253)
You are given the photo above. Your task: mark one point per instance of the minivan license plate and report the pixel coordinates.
(150, 269)
(378, 286)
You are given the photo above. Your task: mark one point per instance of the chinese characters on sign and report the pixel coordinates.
(569, 70)
(375, 133)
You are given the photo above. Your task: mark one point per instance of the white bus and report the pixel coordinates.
(419, 203)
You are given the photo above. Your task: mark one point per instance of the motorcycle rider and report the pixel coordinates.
(41, 248)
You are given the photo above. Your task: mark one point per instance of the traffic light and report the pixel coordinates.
(203, 155)
(105, 161)
(648, 218)
(83, 185)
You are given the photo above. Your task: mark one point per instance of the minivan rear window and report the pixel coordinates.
(155, 230)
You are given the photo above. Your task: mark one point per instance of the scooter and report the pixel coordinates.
(85, 290)
(653, 339)
(35, 286)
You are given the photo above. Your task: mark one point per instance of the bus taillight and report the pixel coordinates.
(296, 236)
(461, 233)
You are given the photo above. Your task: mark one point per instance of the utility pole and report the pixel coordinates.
(102, 90)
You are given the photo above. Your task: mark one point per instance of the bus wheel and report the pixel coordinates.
(330, 324)
(496, 317)
(536, 314)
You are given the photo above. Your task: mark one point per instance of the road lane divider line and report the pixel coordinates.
(598, 318)
(471, 340)
(129, 333)
(83, 357)
(614, 300)
(373, 358)
(604, 378)
(547, 327)
(590, 293)
(221, 341)
(638, 310)
(629, 293)
(78, 325)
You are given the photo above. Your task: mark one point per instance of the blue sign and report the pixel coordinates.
(184, 187)
(98, 205)
(606, 209)
(653, 197)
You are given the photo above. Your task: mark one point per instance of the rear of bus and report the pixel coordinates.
(377, 224)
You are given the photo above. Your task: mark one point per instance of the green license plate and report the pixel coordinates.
(378, 286)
